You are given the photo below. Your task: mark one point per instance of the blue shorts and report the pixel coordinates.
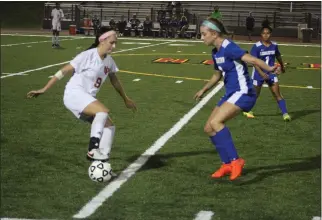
(244, 101)
(259, 81)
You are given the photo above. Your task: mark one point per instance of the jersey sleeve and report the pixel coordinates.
(52, 13)
(234, 52)
(277, 51)
(254, 51)
(62, 13)
(77, 61)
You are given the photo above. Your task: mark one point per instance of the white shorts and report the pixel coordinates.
(76, 100)
(56, 25)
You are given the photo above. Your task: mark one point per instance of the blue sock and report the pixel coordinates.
(224, 145)
(282, 106)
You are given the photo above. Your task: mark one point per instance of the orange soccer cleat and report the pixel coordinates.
(222, 171)
(236, 168)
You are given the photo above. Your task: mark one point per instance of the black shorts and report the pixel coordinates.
(250, 29)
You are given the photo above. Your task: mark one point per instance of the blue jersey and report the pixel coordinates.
(234, 70)
(267, 54)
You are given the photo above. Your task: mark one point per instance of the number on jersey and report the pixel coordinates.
(98, 82)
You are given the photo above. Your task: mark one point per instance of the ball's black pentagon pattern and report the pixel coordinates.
(105, 173)
(92, 168)
(101, 165)
(100, 179)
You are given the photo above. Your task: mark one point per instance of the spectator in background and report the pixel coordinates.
(161, 13)
(112, 24)
(169, 9)
(216, 13)
(164, 26)
(266, 22)
(173, 26)
(96, 24)
(187, 15)
(147, 27)
(178, 9)
(183, 26)
(250, 23)
(135, 24)
(121, 25)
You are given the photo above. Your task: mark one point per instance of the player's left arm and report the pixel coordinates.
(62, 14)
(119, 88)
(279, 59)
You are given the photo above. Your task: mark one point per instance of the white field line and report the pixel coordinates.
(36, 42)
(126, 174)
(204, 215)
(23, 219)
(57, 64)
(156, 39)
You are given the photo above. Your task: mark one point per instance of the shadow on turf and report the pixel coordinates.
(260, 173)
(160, 160)
(295, 114)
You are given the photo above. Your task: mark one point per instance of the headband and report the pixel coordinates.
(106, 35)
(210, 25)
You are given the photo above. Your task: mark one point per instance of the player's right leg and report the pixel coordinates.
(257, 83)
(83, 104)
(100, 113)
(53, 45)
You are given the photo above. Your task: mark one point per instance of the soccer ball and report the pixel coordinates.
(100, 171)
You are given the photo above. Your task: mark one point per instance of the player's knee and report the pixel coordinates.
(208, 129)
(216, 124)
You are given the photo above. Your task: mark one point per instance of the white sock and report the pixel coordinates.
(107, 140)
(54, 39)
(98, 124)
(57, 40)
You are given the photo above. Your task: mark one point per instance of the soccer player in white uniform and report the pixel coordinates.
(56, 15)
(90, 69)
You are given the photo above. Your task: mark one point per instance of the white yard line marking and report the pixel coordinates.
(136, 80)
(310, 87)
(160, 40)
(126, 174)
(179, 81)
(57, 64)
(35, 42)
(204, 215)
(23, 219)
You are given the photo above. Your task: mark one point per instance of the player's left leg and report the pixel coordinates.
(57, 34)
(107, 137)
(221, 138)
(275, 89)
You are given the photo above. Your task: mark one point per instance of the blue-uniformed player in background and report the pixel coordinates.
(230, 63)
(267, 51)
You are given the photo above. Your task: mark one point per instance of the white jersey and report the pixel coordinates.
(90, 71)
(57, 14)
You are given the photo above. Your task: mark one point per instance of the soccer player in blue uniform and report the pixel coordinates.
(229, 63)
(267, 51)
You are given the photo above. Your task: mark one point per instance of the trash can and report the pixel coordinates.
(299, 32)
(307, 35)
(72, 29)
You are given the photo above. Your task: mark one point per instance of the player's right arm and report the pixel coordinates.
(213, 81)
(67, 69)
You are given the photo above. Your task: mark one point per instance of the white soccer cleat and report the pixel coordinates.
(96, 154)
